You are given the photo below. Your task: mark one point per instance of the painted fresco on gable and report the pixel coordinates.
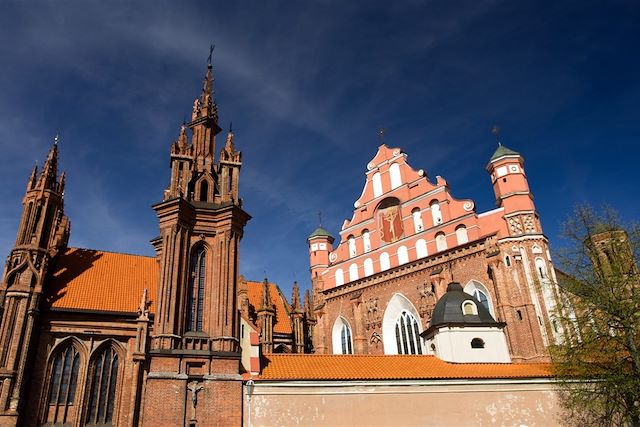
(390, 221)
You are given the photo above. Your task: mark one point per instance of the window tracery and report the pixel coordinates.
(102, 386)
(408, 334)
(195, 297)
(62, 402)
(341, 337)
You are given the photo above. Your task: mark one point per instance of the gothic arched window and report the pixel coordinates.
(195, 297)
(103, 381)
(339, 277)
(341, 337)
(345, 339)
(408, 334)
(401, 327)
(62, 394)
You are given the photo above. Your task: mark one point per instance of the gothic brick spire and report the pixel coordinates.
(43, 232)
(295, 297)
(49, 175)
(204, 121)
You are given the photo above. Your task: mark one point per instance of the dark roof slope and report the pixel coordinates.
(321, 232)
(448, 309)
(503, 151)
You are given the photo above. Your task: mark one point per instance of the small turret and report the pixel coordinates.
(229, 170)
(320, 246)
(510, 184)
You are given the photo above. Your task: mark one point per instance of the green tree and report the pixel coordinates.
(598, 362)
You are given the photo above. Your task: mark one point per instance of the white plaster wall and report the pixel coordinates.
(454, 345)
(403, 403)
(248, 351)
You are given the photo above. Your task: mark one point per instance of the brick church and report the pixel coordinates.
(419, 288)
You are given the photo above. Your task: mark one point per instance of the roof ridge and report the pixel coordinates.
(111, 252)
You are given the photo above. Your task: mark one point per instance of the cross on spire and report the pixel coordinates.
(496, 131)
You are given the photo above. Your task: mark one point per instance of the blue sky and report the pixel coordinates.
(306, 85)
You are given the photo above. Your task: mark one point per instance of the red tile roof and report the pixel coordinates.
(369, 367)
(254, 294)
(88, 279)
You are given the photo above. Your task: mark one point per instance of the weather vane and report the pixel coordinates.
(320, 218)
(213, 46)
(496, 131)
(381, 133)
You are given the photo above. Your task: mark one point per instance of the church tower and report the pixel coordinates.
(523, 273)
(195, 351)
(42, 233)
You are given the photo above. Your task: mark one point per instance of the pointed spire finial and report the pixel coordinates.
(295, 297)
(496, 131)
(230, 126)
(182, 138)
(381, 133)
(211, 48)
(56, 138)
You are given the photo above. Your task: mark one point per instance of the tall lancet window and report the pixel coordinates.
(62, 394)
(195, 301)
(104, 378)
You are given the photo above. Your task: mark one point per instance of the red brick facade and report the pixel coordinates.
(408, 238)
(90, 337)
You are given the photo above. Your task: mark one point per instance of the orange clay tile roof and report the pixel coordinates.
(87, 279)
(254, 293)
(369, 367)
